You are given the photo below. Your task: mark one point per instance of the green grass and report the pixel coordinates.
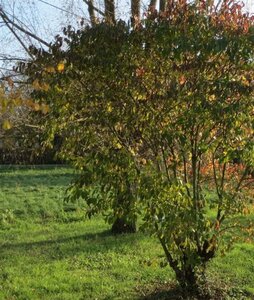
(50, 251)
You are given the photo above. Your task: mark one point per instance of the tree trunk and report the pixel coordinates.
(110, 17)
(152, 4)
(91, 12)
(135, 12)
(188, 280)
(184, 272)
(162, 5)
(122, 226)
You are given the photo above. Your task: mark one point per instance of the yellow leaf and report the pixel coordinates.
(109, 108)
(245, 81)
(44, 109)
(29, 103)
(143, 161)
(212, 97)
(182, 80)
(44, 87)
(50, 69)
(36, 106)
(118, 146)
(6, 125)
(246, 211)
(60, 67)
(36, 84)
(141, 97)
(17, 102)
(132, 151)
(58, 89)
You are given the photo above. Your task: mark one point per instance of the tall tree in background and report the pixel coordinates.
(91, 11)
(96, 14)
(110, 16)
(94, 48)
(135, 12)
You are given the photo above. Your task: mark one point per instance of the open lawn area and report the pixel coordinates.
(48, 250)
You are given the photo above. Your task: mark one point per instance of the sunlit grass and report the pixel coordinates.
(48, 251)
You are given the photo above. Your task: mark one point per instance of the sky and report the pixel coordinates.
(46, 18)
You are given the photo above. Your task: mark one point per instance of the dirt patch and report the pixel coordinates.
(171, 291)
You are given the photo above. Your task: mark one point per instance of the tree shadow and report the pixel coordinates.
(65, 247)
(33, 180)
(168, 291)
(88, 236)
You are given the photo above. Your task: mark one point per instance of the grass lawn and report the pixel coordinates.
(48, 250)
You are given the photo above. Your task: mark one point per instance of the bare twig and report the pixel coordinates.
(7, 20)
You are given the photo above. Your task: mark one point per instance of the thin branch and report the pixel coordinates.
(32, 126)
(243, 177)
(15, 34)
(186, 174)
(165, 163)
(7, 20)
(12, 59)
(223, 176)
(88, 2)
(215, 175)
(59, 8)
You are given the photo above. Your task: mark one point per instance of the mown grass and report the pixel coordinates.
(48, 250)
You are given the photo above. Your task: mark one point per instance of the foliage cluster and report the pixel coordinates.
(21, 127)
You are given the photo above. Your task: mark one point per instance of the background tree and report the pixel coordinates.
(20, 129)
(91, 52)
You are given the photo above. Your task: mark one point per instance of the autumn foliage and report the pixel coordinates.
(165, 112)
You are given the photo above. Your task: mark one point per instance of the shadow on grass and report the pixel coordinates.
(65, 247)
(30, 180)
(81, 237)
(160, 291)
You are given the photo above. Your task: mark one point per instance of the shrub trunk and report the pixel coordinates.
(121, 225)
